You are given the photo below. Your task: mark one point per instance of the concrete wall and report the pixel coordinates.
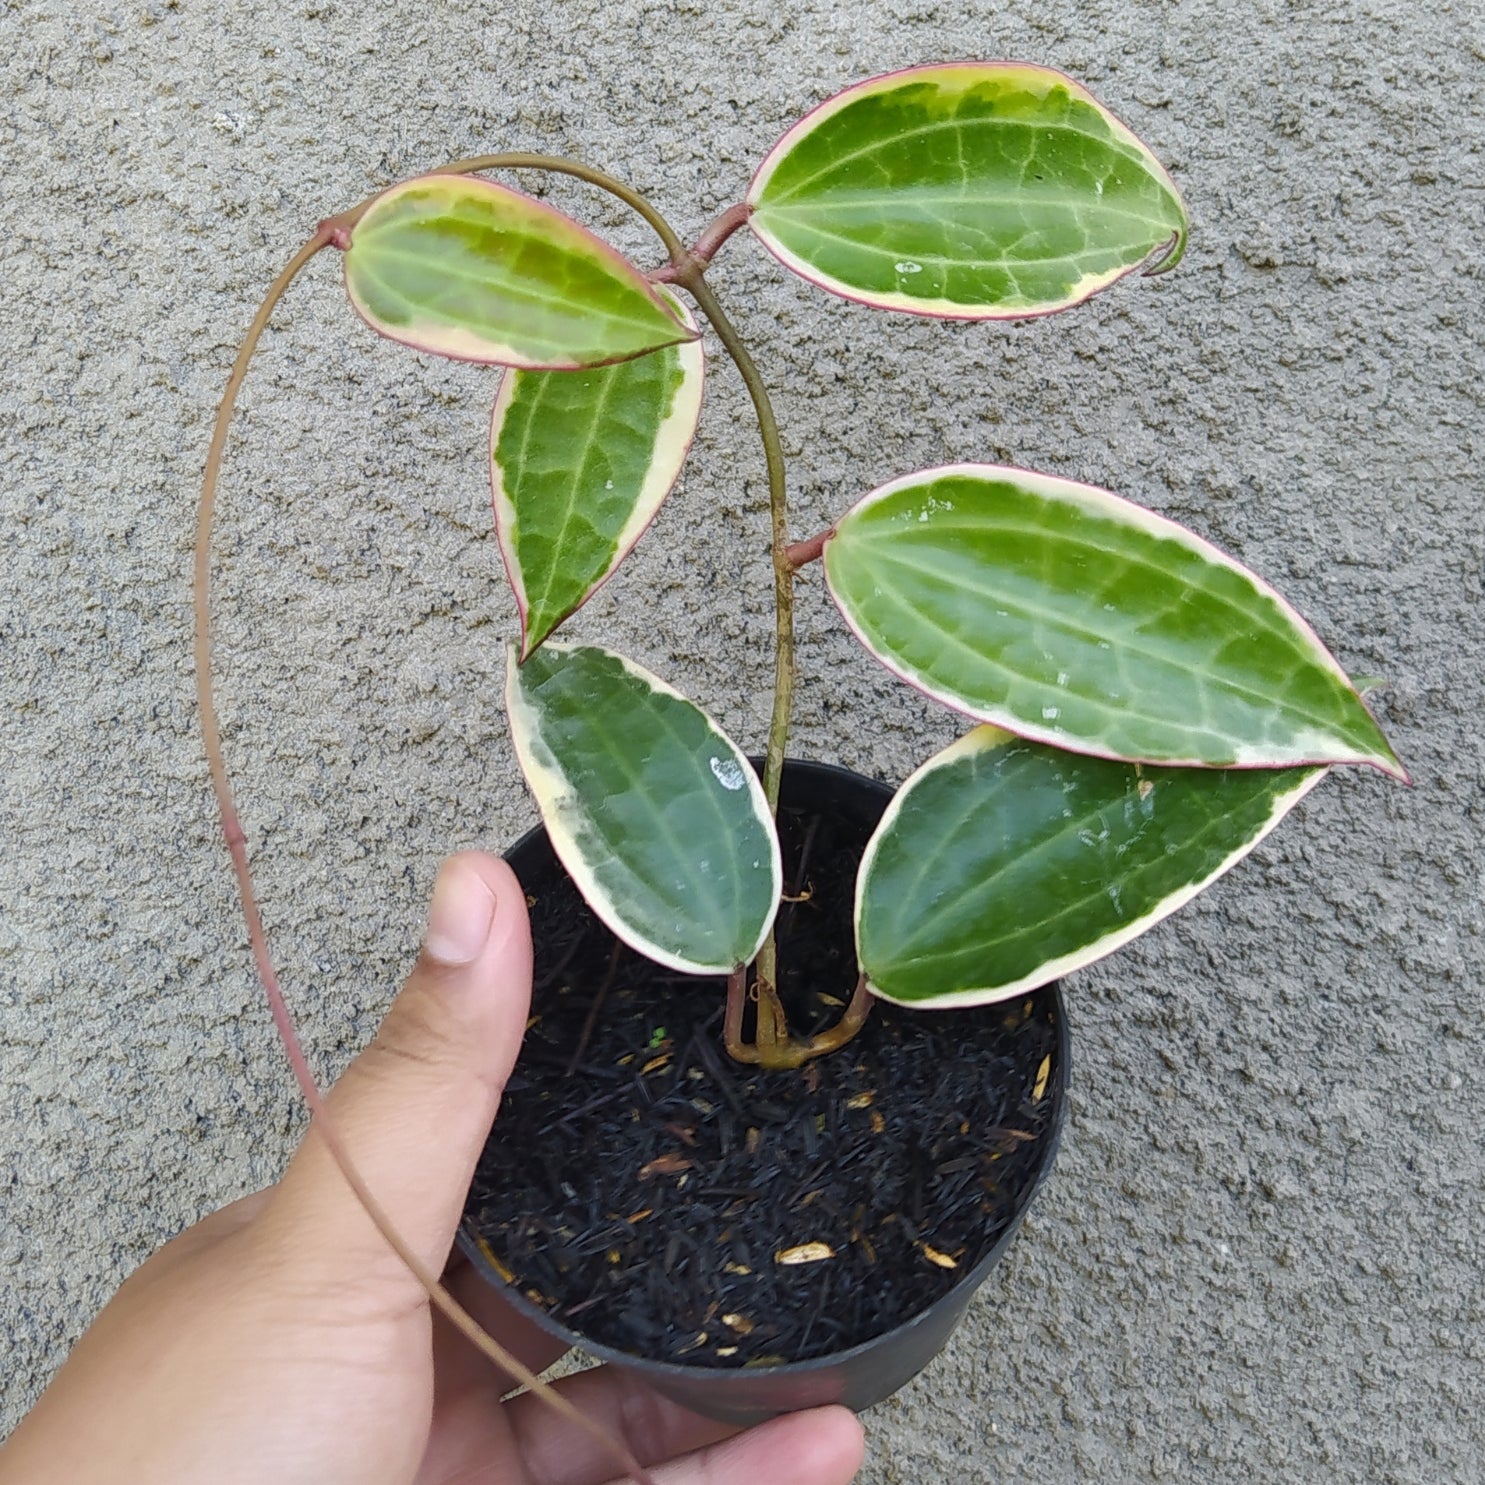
(1261, 1254)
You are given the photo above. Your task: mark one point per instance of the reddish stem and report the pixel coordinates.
(732, 1028)
(772, 1048)
(701, 253)
(704, 249)
(801, 553)
(322, 1124)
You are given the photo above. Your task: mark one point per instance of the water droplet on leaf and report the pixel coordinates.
(728, 772)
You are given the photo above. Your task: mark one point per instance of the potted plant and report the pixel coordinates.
(1145, 710)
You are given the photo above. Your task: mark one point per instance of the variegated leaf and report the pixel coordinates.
(1002, 863)
(971, 190)
(580, 463)
(469, 269)
(653, 810)
(1064, 613)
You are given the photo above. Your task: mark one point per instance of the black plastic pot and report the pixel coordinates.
(866, 1373)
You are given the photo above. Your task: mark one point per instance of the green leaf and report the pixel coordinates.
(580, 462)
(1064, 613)
(1002, 864)
(466, 268)
(653, 810)
(976, 190)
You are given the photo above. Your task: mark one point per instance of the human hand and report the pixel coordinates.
(282, 1341)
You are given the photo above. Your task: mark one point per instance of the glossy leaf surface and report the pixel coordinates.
(1064, 613)
(466, 268)
(973, 190)
(653, 810)
(1002, 864)
(580, 463)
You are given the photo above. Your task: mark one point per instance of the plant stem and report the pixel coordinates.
(732, 1026)
(801, 553)
(691, 277)
(853, 1018)
(704, 249)
(331, 231)
(669, 238)
(211, 736)
(772, 1048)
(340, 226)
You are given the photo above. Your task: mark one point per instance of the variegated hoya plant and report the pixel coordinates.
(1148, 709)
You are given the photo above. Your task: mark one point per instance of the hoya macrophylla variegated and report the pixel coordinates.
(656, 814)
(1003, 863)
(973, 190)
(470, 269)
(580, 462)
(1072, 616)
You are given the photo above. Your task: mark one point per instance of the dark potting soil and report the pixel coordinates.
(651, 1193)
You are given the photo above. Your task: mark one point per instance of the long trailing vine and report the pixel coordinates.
(687, 268)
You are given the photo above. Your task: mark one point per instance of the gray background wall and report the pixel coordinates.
(1261, 1254)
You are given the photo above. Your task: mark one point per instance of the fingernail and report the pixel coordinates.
(459, 920)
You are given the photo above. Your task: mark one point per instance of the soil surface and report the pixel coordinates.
(657, 1196)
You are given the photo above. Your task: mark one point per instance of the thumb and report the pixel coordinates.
(415, 1107)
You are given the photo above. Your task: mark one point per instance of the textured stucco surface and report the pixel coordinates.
(1261, 1256)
